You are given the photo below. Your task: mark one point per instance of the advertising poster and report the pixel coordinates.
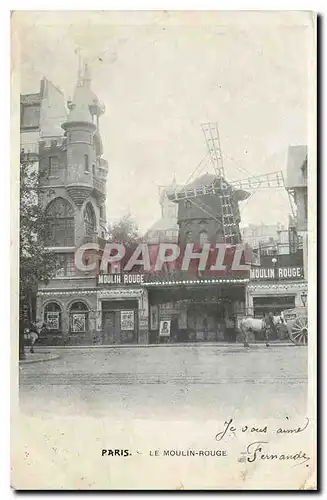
(164, 328)
(127, 320)
(52, 320)
(78, 325)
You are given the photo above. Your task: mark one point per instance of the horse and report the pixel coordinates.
(249, 324)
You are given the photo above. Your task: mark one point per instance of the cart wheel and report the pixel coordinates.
(299, 331)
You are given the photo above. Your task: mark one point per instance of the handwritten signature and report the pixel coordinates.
(256, 451)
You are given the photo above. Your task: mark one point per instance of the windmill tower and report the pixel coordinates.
(208, 207)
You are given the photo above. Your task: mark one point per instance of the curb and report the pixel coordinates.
(142, 346)
(29, 361)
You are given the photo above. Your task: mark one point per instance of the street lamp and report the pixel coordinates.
(274, 261)
(304, 297)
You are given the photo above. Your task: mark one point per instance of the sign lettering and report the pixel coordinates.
(120, 279)
(278, 273)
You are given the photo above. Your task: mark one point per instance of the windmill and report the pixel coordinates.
(217, 186)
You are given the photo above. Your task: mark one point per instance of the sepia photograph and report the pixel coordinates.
(164, 179)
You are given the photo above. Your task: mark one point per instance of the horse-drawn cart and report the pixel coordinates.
(296, 321)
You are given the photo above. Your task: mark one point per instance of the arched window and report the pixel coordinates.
(203, 237)
(59, 225)
(89, 220)
(52, 316)
(188, 236)
(86, 163)
(78, 318)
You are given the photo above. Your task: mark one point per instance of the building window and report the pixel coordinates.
(78, 318)
(53, 166)
(188, 204)
(59, 225)
(188, 236)
(271, 303)
(93, 169)
(52, 316)
(65, 265)
(86, 163)
(89, 220)
(102, 212)
(172, 212)
(30, 116)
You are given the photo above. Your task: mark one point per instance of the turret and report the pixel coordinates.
(84, 146)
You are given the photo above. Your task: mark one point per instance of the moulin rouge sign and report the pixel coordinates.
(116, 264)
(279, 273)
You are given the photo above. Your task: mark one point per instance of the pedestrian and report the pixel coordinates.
(33, 334)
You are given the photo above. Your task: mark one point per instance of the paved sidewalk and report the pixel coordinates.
(38, 356)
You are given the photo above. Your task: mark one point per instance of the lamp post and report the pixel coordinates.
(274, 261)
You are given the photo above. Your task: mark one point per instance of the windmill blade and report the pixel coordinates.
(271, 180)
(211, 134)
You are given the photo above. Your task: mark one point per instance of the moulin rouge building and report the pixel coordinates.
(86, 307)
(112, 306)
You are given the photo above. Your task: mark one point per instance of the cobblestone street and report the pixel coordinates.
(179, 382)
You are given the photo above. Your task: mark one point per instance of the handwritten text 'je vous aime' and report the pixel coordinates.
(229, 427)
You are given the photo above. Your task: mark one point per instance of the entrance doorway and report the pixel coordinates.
(109, 327)
(119, 322)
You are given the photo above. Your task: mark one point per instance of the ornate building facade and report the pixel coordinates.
(73, 179)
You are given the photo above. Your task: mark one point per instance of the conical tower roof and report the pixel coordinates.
(79, 108)
(84, 102)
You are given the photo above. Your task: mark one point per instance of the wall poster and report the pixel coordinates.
(78, 323)
(127, 320)
(52, 320)
(164, 328)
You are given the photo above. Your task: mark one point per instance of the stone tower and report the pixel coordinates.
(73, 182)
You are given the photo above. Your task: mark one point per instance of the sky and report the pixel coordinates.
(160, 75)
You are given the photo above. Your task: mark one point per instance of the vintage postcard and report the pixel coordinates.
(163, 250)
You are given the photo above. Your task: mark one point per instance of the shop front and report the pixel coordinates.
(273, 290)
(123, 315)
(110, 313)
(202, 313)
